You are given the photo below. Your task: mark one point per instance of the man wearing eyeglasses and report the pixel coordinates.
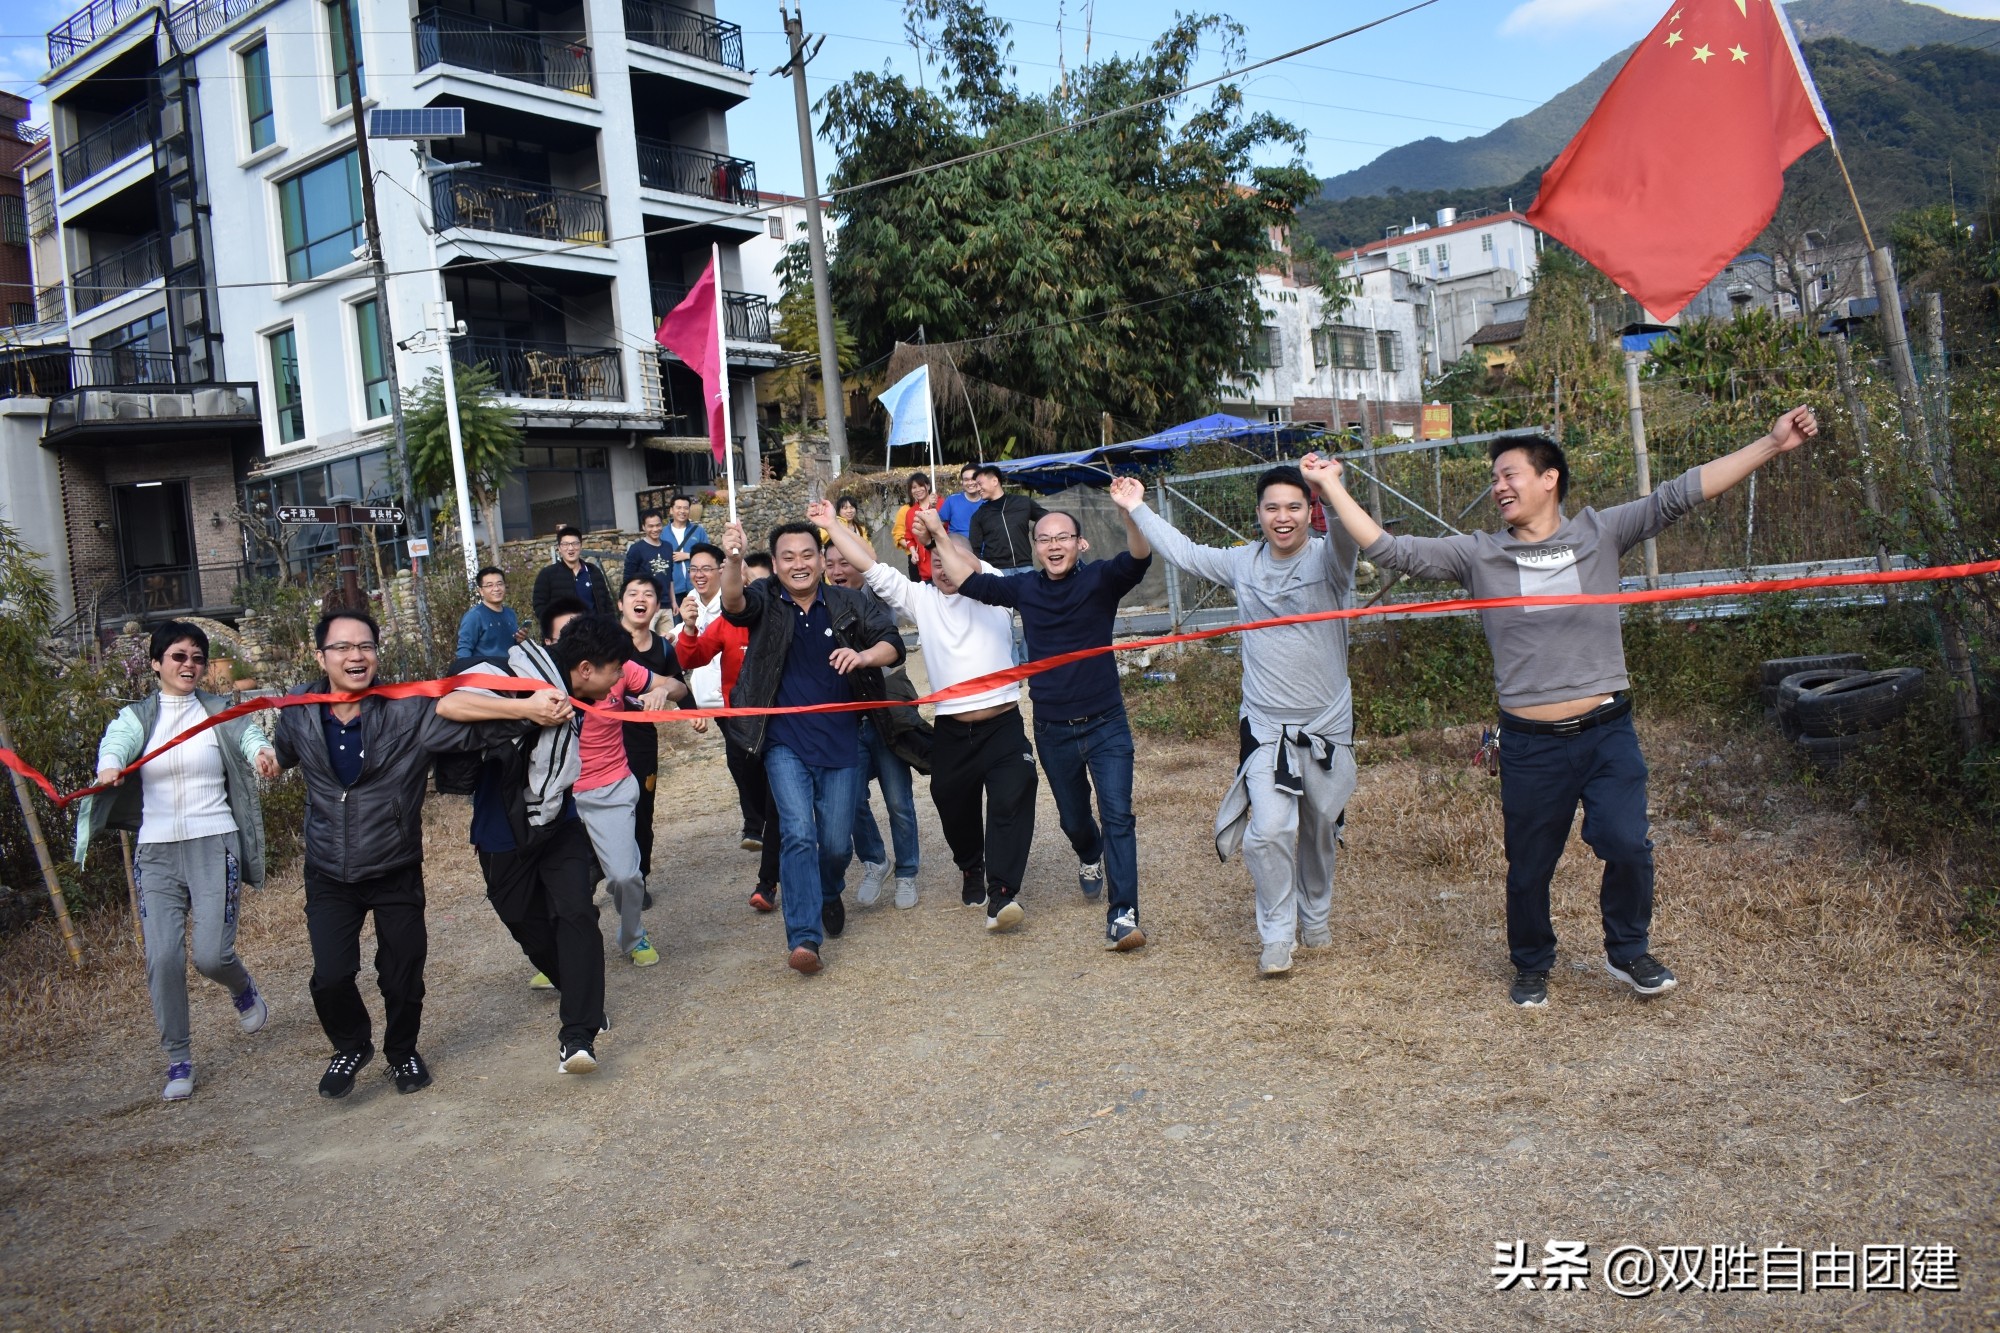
(490, 627)
(366, 760)
(570, 575)
(1080, 727)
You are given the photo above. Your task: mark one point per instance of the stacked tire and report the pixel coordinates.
(1831, 708)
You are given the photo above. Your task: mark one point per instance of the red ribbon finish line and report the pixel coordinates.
(433, 689)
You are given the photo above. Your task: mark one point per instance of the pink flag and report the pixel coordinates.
(692, 332)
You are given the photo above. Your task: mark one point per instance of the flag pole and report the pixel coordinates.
(930, 419)
(722, 372)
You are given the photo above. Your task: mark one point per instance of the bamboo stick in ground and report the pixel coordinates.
(28, 817)
(132, 883)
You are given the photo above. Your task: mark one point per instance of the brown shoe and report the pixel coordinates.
(804, 961)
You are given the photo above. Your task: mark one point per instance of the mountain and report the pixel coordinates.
(1529, 142)
(1915, 126)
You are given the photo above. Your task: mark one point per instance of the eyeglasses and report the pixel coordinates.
(343, 649)
(196, 659)
(1054, 538)
(702, 569)
(493, 585)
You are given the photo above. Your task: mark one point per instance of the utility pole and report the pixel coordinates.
(1871, 492)
(385, 334)
(1641, 462)
(829, 359)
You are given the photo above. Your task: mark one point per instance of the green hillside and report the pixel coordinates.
(1912, 125)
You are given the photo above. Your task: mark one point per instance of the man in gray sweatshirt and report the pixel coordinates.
(1565, 718)
(1296, 729)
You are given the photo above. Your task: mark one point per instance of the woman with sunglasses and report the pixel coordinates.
(201, 836)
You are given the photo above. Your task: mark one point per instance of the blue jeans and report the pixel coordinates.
(1095, 752)
(1542, 778)
(1020, 640)
(893, 774)
(815, 837)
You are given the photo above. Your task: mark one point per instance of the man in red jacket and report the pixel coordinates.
(720, 639)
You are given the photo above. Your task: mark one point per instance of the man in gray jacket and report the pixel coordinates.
(1296, 730)
(1566, 732)
(366, 763)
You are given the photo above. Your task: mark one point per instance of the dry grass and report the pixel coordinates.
(947, 1129)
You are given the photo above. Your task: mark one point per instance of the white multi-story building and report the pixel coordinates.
(222, 332)
(1469, 261)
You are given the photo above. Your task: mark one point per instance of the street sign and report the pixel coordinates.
(419, 548)
(308, 514)
(377, 514)
(1436, 421)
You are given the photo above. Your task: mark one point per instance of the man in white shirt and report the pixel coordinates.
(980, 745)
(701, 608)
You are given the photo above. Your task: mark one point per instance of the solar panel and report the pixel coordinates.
(422, 122)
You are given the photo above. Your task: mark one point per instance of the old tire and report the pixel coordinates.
(1828, 753)
(1799, 682)
(1857, 704)
(1778, 668)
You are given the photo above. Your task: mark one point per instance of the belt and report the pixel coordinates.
(1620, 705)
(1076, 721)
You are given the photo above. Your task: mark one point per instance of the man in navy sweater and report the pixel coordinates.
(1080, 726)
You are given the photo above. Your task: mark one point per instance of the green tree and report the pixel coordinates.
(1109, 267)
(798, 333)
(490, 432)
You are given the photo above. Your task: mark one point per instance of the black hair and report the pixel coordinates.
(969, 467)
(326, 623)
(989, 470)
(709, 549)
(1544, 455)
(631, 579)
(567, 531)
(560, 607)
(1285, 474)
(678, 498)
(846, 500)
(645, 514)
(793, 530)
(598, 640)
(916, 477)
(758, 560)
(480, 577)
(172, 632)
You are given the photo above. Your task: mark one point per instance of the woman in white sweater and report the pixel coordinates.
(201, 836)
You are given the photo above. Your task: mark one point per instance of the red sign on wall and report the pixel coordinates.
(1436, 421)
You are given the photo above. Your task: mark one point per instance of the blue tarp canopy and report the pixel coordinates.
(1048, 473)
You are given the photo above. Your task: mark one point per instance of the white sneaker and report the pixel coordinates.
(870, 890)
(1277, 959)
(251, 1011)
(906, 893)
(180, 1082)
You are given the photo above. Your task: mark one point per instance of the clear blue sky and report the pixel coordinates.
(1456, 69)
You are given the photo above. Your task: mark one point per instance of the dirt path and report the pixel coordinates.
(950, 1130)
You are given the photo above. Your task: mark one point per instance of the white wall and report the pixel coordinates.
(31, 491)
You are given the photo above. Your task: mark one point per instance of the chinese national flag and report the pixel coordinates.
(692, 331)
(1683, 161)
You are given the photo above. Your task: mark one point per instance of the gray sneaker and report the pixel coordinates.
(906, 893)
(1317, 939)
(251, 1011)
(180, 1082)
(869, 891)
(1277, 959)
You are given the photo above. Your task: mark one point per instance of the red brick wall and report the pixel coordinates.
(88, 473)
(1337, 412)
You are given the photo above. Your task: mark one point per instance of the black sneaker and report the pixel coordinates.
(833, 917)
(1644, 974)
(1531, 989)
(645, 900)
(1002, 912)
(577, 1060)
(1090, 878)
(338, 1080)
(411, 1074)
(973, 892)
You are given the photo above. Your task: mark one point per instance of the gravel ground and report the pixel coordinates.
(947, 1129)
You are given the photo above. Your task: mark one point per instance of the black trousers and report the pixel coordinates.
(545, 893)
(335, 910)
(752, 789)
(642, 752)
(991, 756)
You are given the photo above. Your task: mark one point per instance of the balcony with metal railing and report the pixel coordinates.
(85, 28)
(111, 142)
(696, 171)
(674, 28)
(518, 207)
(117, 273)
(549, 61)
(546, 370)
(746, 316)
(46, 372)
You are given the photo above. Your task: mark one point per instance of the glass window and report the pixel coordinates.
(1343, 346)
(13, 220)
(1423, 254)
(343, 86)
(1389, 348)
(374, 475)
(322, 217)
(1486, 243)
(1444, 253)
(776, 223)
(257, 97)
(374, 366)
(344, 478)
(285, 396)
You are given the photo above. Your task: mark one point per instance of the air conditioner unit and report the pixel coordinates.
(220, 403)
(130, 406)
(96, 405)
(183, 249)
(172, 405)
(173, 120)
(193, 313)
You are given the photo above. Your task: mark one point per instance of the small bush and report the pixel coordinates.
(1200, 703)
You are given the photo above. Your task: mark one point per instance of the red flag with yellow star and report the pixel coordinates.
(1683, 161)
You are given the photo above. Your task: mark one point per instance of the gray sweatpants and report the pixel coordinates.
(1290, 843)
(607, 816)
(185, 884)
